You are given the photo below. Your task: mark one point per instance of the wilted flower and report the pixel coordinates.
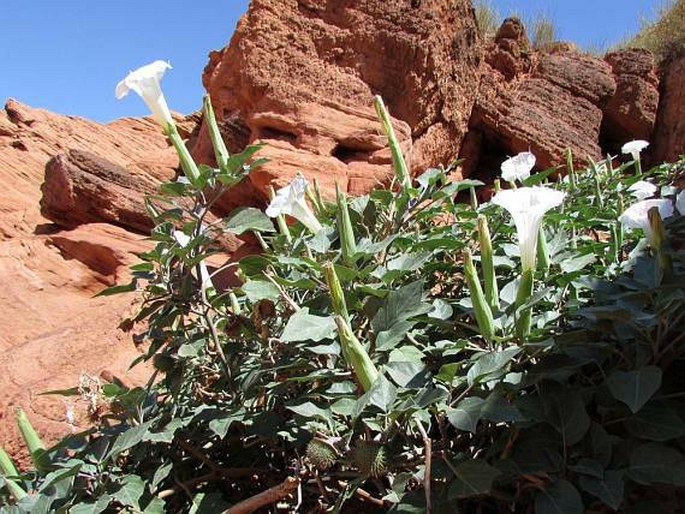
(637, 215)
(183, 240)
(518, 167)
(680, 202)
(145, 82)
(642, 189)
(634, 148)
(291, 200)
(527, 206)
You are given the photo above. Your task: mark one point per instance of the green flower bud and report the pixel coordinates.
(356, 355)
(543, 251)
(482, 310)
(398, 162)
(336, 292)
(34, 444)
(348, 245)
(220, 150)
(187, 163)
(486, 260)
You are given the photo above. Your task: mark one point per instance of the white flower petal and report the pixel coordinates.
(518, 167)
(642, 189)
(634, 147)
(680, 202)
(291, 200)
(145, 82)
(636, 216)
(527, 206)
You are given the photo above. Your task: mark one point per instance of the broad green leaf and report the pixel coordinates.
(565, 411)
(309, 410)
(303, 326)
(400, 305)
(92, 508)
(608, 489)
(208, 503)
(559, 498)
(656, 423)
(132, 488)
(390, 338)
(472, 478)
(635, 388)
(129, 438)
(257, 290)
(466, 414)
(491, 363)
(248, 219)
(655, 463)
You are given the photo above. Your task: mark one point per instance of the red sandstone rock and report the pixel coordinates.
(301, 75)
(631, 111)
(669, 136)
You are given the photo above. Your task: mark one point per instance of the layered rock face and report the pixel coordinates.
(555, 98)
(301, 75)
(53, 328)
(670, 131)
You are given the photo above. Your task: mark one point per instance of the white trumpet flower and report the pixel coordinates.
(527, 206)
(518, 167)
(145, 82)
(291, 200)
(642, 189)
(634, 148)
(637, 215)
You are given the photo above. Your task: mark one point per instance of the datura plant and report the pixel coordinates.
(401, 351)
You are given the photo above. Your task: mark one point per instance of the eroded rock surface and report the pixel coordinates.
(301, 74)
(670, 127)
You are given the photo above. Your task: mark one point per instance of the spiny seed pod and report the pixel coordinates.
(321, 454)
(371, 458)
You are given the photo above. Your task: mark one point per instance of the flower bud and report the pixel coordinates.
(486, 261)
(336, 292)
(355, 354)
(220, 150)
(481, 309)
(348, 245)
(398, 162)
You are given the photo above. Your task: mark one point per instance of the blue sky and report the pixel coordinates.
(68, 55)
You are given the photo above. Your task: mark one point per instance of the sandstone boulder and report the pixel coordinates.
(669, 137)
(631, 111)
(301, 74)
(543, 101)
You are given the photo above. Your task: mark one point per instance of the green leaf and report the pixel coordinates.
(656, 463)
(125, 288)
(608, 489)
(303, 326)
(257, 290)
(390, 338)
(309, 410)
(400, 305)
(248, 219)
(656, 423)
(559, 498)
(472, 478)
(635, 388)
(132, 488)
(382, 394)
(128, 439)
(467, 414)
(208, 503)
(565, 411)
(92, 508)
(490, 363)
(576, 263)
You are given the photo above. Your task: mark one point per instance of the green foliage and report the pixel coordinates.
(664, 36)
(362, 371)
